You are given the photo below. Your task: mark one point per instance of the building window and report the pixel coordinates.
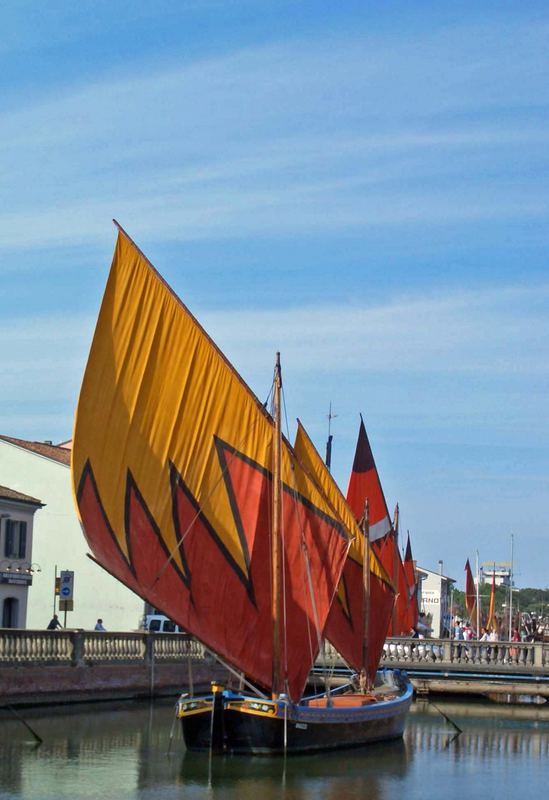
(15, 545)
(10, 612)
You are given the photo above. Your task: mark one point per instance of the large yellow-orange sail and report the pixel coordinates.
(172, 474)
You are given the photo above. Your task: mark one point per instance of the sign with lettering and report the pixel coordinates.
(15, 578)
(66, 584)
(430, 596)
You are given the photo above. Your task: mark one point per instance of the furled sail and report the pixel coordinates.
(411, 580)
(491, 622)
(172, 475)
(470, 595)
(346, 627)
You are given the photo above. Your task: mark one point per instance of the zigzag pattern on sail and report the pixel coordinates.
(175, 510)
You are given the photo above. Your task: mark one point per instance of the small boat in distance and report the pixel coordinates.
(189, 494)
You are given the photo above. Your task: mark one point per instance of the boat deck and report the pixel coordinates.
(345, 700)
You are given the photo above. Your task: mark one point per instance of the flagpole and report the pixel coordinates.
(395, 570)
(511, 593)
(478, 599)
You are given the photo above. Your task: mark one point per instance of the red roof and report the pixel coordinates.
(47, 449)
(11, 494)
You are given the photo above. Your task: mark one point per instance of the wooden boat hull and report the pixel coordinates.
(246, 724)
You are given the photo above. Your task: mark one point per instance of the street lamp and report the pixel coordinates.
(17, 566)
(29, 568)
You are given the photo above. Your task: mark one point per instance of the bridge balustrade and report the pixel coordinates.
(18, 646)
(448, 652)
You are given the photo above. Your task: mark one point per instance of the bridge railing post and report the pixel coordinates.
(77, 657)
(447, 651)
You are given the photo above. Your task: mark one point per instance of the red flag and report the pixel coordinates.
(470, 595)
(410, 573)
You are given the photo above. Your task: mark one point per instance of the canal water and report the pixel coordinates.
(132, 750)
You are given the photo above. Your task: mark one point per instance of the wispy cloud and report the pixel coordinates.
(304, 136)
(490, 334)
(497, 331)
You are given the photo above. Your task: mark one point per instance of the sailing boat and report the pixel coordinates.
(189, 494)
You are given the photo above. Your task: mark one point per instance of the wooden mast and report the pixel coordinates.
(276, 586)
(394, 631)
(364, 677)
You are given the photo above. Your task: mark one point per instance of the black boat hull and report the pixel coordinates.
(250, 725)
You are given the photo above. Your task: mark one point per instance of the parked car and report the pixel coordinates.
(158, 623)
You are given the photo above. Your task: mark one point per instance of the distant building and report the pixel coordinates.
(436, 589)
(42, 470)
(17, 568)
(501, 573)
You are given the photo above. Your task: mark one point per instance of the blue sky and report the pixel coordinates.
(360, 185)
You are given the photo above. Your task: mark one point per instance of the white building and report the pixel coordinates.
(501, 574)
(436, 589)
(17, 568)
(40, 469)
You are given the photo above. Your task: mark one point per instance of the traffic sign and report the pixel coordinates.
(66, 584)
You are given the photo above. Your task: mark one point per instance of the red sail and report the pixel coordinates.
(364, 483)
(403, 619)
(346, 627)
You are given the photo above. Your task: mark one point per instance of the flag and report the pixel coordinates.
(470, 594)
(409, 571)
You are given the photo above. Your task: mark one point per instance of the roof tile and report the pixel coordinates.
(56, 453)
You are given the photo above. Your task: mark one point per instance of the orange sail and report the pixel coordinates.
(172, 476)
(491, 624)
(346, 625)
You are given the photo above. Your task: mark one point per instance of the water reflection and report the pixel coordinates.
(488, 730)
(122, 751)
(304, 777)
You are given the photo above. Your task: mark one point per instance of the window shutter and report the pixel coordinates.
(22, 539)
(8, 544)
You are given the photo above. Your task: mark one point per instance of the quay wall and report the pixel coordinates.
(39, 667)
(74, 665)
